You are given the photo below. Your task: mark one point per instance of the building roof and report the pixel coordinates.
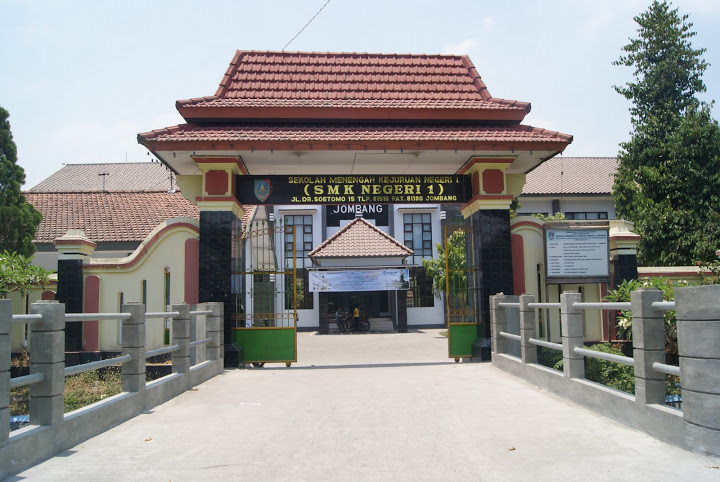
(369, 136)
(360, 239)
(315, 84)
(107, 216)
(119, 177)
(572, 175)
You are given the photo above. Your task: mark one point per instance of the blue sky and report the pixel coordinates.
(82, 78)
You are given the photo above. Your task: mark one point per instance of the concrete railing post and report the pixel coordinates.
(648, 335)
(498, 323)
(5, 353)
(698, 329)
(528, 351)
(572, 335)
(181, 337)
(214, 327)
(133, 344)
(47, 339)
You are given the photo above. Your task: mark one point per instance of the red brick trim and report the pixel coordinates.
(91, 305)
(526, 223)
(493, 181)
(216, 182)
(518, 263)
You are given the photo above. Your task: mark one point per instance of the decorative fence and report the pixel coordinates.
(696, 427)
(197, 355)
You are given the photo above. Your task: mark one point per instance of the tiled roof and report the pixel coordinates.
(324, 133)
(572, 175)
(121, 177)
(349, 80)
(361, 239)
(107, 216)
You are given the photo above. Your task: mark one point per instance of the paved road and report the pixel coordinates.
(372, 407)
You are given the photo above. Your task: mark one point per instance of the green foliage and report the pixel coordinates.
(549, 357)
(668, 179)
(19, 220)
(17, 274)
(614, 375)
(624, 318)
(553, 217)
(713, 268)
(435, 268)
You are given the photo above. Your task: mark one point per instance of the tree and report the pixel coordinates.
(456, 263)
(17, 274)
(19, 220)
(668, 179)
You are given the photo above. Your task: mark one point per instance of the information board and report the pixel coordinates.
(577, 255)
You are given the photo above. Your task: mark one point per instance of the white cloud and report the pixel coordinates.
(463, 48)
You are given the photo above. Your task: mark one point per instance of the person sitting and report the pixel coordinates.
(338, 316)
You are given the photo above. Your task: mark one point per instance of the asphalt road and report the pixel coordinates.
(372, 407)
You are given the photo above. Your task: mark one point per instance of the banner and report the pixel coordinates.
(574, 255)
(365, 189)
(360, 280)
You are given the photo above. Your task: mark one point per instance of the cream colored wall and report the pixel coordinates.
(167, 251)
(531, 230)
(19, 303)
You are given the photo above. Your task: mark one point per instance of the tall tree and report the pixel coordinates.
(19, 220)
(668, 179)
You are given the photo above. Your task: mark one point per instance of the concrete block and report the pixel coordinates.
(180, 364)
(133, 383)
(5, 349)
(53, 314)
(700, 339)
(641, 301)
(133, 336)
(700, 374)
(701, 408)
(648, 333)
(698, 303)
(5, 317)
(214, 323)
(644, 360)
(47, 347)
(571, 326)
(137, 310)
(137, 364)
(54, 382)
(650, 391)
(46, 410)
(5, 430)
(568, 348)
(702, 440)
(184, 344)
(4, 390)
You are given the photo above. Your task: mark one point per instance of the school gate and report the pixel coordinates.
(290, 137)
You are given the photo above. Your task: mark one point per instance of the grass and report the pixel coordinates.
(80, 390)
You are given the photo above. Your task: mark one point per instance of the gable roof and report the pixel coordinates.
(120, 177)
(360, 239)
(107, 216)
(327, 85)
(572, 175)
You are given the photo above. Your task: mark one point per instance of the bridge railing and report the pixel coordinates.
(196, 354)
(697, 309)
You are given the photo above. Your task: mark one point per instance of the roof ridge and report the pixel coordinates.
(348, 226)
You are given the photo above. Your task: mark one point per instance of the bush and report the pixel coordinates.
(614, 375)
(549, 357)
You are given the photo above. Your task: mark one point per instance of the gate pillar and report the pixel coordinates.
(489, 212)
(220, 238)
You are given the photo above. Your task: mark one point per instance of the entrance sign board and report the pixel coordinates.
(337, 212)
(360, 280)
(361, 189)
(578, 255)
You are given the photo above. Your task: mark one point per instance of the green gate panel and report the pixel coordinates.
(460, 339)
(266, 344)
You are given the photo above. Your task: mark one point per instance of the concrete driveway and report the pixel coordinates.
(372, 407)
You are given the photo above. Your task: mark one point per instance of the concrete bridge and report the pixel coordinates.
(372, 407)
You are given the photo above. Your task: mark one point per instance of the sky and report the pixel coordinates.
(82, 78)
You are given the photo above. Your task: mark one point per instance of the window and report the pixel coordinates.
(417, 229)
(303, 245)
(587, 215)
(143, 289)
(418, 236)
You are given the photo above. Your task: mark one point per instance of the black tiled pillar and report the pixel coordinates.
(324, 327)
(402, 321)
(218, 234)
(493, 260)
(625, 267)
(70, 291)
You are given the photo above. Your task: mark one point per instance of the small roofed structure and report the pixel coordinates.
(359, 243)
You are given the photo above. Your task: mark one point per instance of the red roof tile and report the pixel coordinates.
(260, 84)
(361, 239)
(243, 136)
(107, 216)
(572, 175)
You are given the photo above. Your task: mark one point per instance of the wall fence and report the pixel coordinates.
(695, 427)
(196, 352)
